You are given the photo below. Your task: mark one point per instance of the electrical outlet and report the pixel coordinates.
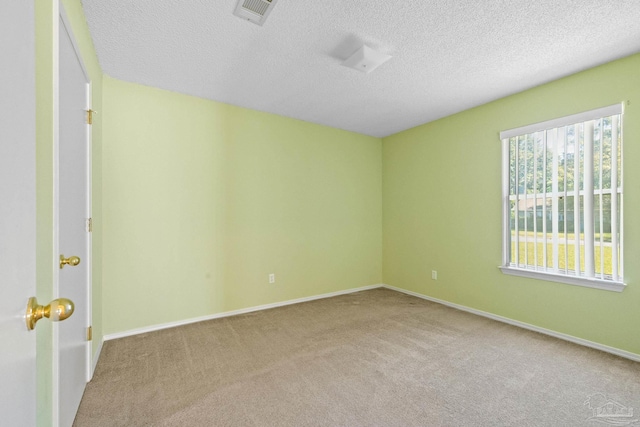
(272, 278)
(434, 275)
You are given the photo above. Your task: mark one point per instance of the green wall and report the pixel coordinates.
(203, 200)
(442, 210)
(47, 25)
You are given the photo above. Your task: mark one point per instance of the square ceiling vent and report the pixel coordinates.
(255, 11)
(366, 59)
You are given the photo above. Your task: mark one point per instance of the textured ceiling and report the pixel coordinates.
(448, 55)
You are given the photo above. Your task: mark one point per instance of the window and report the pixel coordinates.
(562, 199)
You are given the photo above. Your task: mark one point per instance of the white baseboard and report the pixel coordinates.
(96, 356)
(618, 352)
(232, 313)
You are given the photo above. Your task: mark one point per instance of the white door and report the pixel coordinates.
(73, 353)
(17, 212)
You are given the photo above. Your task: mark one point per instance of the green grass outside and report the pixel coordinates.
(530, 234)
(562, 256)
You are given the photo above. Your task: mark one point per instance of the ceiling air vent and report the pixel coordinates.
(255, 11)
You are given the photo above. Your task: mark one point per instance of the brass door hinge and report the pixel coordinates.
(89, 225)
(89, 333)
(90, 114)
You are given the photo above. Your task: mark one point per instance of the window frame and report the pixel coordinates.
(506, 267)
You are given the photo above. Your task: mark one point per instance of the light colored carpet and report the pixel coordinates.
(373, 358)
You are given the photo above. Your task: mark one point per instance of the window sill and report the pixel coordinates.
(606, 285)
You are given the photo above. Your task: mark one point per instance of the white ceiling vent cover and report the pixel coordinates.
(255, 11)
(366, 59)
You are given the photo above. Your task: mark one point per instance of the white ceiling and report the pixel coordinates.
(448, 55)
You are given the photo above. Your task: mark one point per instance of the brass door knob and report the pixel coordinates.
(72, 261)
(57, 310)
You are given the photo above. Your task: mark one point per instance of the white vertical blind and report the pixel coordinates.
(517, 205)
(535, 200)
(544, 201)
(565, 199)
(553, 137)
(615, 122)
(601, 197)
(589, 268)
(576, 200)
(526, 204)
(554, 166)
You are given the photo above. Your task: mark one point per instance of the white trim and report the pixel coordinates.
(161, 326)
(616, 351)
(506, 238)
(589, 282)
(55, 345)
(564, 121)
(61, 22)
(96, 357)
(89, 234)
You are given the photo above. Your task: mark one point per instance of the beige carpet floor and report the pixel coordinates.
(373, 358)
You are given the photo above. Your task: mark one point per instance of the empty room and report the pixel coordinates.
(361, 213)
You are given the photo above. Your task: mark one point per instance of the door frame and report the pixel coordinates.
(62, 19)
